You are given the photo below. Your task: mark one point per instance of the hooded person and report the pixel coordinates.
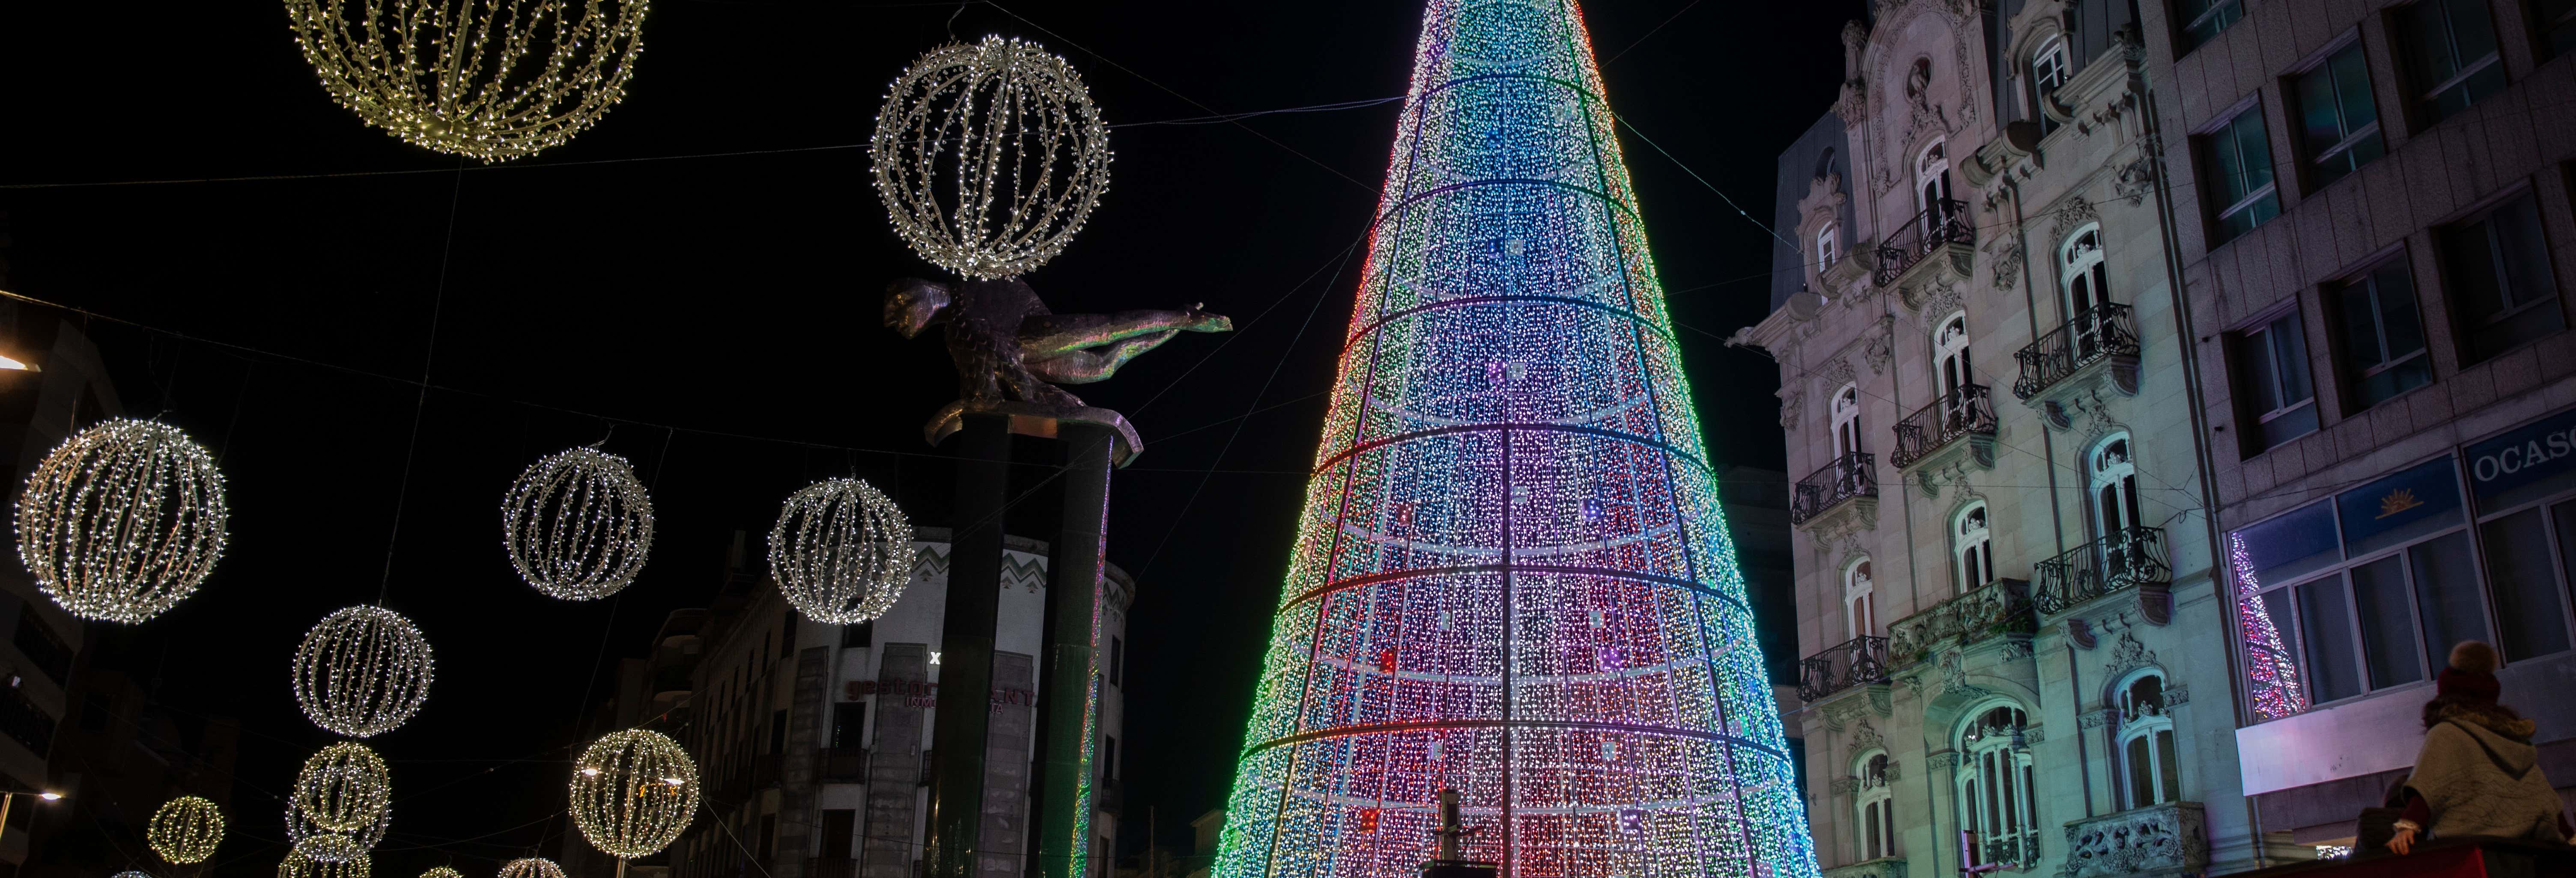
(2478, 773)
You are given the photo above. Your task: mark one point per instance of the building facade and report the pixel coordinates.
(2006, 589)
(812, 740)
(2371, 205)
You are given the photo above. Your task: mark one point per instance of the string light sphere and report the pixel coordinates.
(531, 867)
(129, 873)
(122, 520)
(342, 803)
(297, 865)
(185, 830)
(578, 524)
(363, 671)
(488, 79)
(841, 552)
(442, 872)
(989, 157)
(633, 792)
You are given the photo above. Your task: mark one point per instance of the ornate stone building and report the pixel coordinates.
(2006, 590)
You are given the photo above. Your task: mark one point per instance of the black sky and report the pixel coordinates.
(735, 298)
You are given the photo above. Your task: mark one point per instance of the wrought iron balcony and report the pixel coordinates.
(1859, 661)
(2010, 850)
(2097, 333)
(2125, 559)
(1851, 475)
(1943, 223)
(1969, 410)
(1998, 607)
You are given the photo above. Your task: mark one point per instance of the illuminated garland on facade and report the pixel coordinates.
(185, 830)
(633, 792)
(122, 520)
(578, 524)
(480, 78)
(989, 157)
(1512, 575)
(362, 671)
(841, 552)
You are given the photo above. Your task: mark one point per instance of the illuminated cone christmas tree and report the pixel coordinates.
(1512, 576)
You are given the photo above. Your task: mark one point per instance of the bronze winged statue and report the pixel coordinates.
(1007, 347)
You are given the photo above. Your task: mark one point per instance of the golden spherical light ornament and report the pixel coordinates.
(531, 867)
(578, 524)
(990, 156)
(342, 803)
(362, 671)
(442, 872)
(122, 520)
(185, 830)
(633, 792)
(297, 865)
(489, 79)
(841, 551)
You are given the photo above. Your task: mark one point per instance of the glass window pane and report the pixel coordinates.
(2472, 32)
(2428, 43)
(2320, 114)
(2361, 330)
(2271, 656)
(2142, 773)
(2325, 630)
(2387, 626)
(2352, 88)
(2447, 593)
(2526, 258)
(2525, 583)
(2400, 322)
(2262, 388)
(2290, 349)
(2290, 546)
(2170, 766)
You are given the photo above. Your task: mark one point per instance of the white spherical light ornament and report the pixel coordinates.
(362, 671)
(578, 524)
(297, 865)
(343, 802)
(633, 792)
(130, 873)
(185, 830)
(442, 872)
(990, 156)
(841, 552)
(122, 520)
(531, 867)
(483, 78)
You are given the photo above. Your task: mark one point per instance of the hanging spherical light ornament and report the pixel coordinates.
(297, 865)
(989, 157)
(185, 830)
(122, 520)
(442, 872)
(531, 867)
(488, 79)
(578, 524)
(342, 804)
(362, 671)
(841, 552)
(632, 793)
(130, 873)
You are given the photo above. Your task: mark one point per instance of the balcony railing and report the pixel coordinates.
(1941, 224)
(1998, 607)
(2101, 331)
(2010, 850)
(1859, 661)
(1969, 409)
(1851, 475)
(2125, 559)
(2167, 839)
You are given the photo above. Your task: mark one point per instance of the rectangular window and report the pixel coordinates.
(787, 635)
(849, 726)
(2497, 270)
(1117, 658)
(2236, 159)
(2556, 22)
(2528, 610)
(1108, 759)
(2325, 628)
(2447, 593)
(859, 635)
(2203, 19)
(768, 838)
(2273, 385)
(1825, 246)
(2338, 125)
(778, 731)
(2383, 334)
(2387, 626)
(2047, 73)
(2450, 48)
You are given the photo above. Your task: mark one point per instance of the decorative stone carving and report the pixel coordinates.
(2094, 719)
(1879, 351)
(2135, 179)
(1943, 759)
(1944, 298)
(2080, 631)
(2072, 214)
(1792, 405)
(1844, 786)
(1840, 714)
(1883, 867)
(2033, 735)
(2016, 649)
(2008, 267)
(2177, 694)
(2166, 839)
(1879, 699)
(2128, 656)
(1839, 372)
(1954, 679)
(1866, 738)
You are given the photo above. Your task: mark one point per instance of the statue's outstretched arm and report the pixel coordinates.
(1046, 335)
(1086, 365)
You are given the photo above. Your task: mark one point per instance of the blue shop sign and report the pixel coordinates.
(2399, 508)
(2529, 454)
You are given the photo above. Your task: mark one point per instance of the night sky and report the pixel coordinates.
(714, 318)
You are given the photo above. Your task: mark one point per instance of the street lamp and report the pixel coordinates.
(9, 797)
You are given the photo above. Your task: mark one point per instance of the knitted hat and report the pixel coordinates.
(2471, 676)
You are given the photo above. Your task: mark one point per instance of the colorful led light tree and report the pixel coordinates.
(1512, 576)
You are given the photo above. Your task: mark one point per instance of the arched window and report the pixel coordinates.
(1974, 535)
(1932, 185)
(1846, 412)
(1997, 801)
(1825, 163)
(1827, 249)
(2080, 270)
(2047, 72)
(1860, 601)
(2146, 744)
(1877, 803)
(1950, 357)
(2115, 487)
